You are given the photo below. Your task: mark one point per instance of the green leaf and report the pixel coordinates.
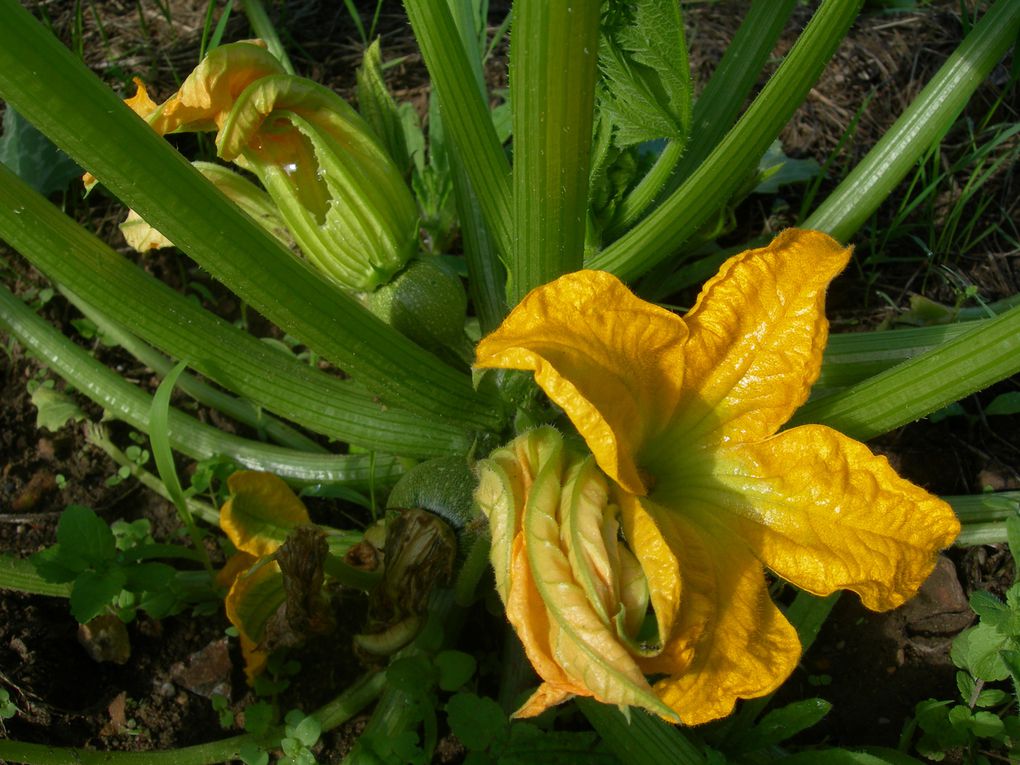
(986, 725)
(80, 532)
(55, 408)
(413, 675)
(149, 577)
(252, 754)
(455, 669)
(781, 724)
(992, 697)
(33, 156)
(93, 591)
(159, 437)
(977, 650)
(477, 721)
(1005, 403)
(1013, 539)
(378, 107)
(988, 607)
(52, 566)
(306, 729)
(258, 717)
(776, 169)
(648, 81)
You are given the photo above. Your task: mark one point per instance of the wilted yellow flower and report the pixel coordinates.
(682, 414)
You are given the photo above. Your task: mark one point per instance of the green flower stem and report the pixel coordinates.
(98, 436)
(644, 739)
(264, 29)
(714, 111)
(332, 714)
(970, 362)
(465, 115)
(853, 357)
(197, 440)
(553, 67)
(239, 409)
(660, 234)
(924, 123)
(984, 516)
(19, 574)
(226, 354)
(50, 87)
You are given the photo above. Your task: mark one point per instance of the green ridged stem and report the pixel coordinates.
(52, 89)
(19, 574)
(853, 357)
(486, 273)
(222, 352)
(924, 123)
(553, 67)
(970, 362)
(715, 109)
(197, 440)
(332, 714)
(708, 188)
(643, 739)
(983, 516)
(236, 408)
(465, 115)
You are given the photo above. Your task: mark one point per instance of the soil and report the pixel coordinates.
(873, 667)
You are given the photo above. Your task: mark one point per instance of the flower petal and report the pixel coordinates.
(659, 564)
(208, 93)
(261, 512)
(730, 641)
(583, 645)
(756, 337)
(613, 362)
(825, 513)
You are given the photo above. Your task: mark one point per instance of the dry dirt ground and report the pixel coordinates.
(877, 666)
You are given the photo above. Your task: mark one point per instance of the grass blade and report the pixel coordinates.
(926, 120)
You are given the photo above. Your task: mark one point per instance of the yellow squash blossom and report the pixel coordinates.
(683, 416)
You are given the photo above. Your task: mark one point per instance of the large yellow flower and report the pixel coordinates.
(682, 414)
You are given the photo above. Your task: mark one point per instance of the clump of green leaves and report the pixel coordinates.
(984, 718)
(111, 568)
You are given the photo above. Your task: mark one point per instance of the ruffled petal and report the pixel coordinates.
(208, 93)
(613, 362)
(730, 641)
(825, 513)
(757, 333)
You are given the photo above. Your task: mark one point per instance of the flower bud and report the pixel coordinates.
(342, 198)
(573, 590)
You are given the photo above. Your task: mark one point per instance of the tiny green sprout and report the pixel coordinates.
(221, 705)
(301, 732)
(7, 707)
(61, 481)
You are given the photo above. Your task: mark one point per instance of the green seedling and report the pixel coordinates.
(983, 719)
(7, 707)
(111, 574)
(301, 733)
